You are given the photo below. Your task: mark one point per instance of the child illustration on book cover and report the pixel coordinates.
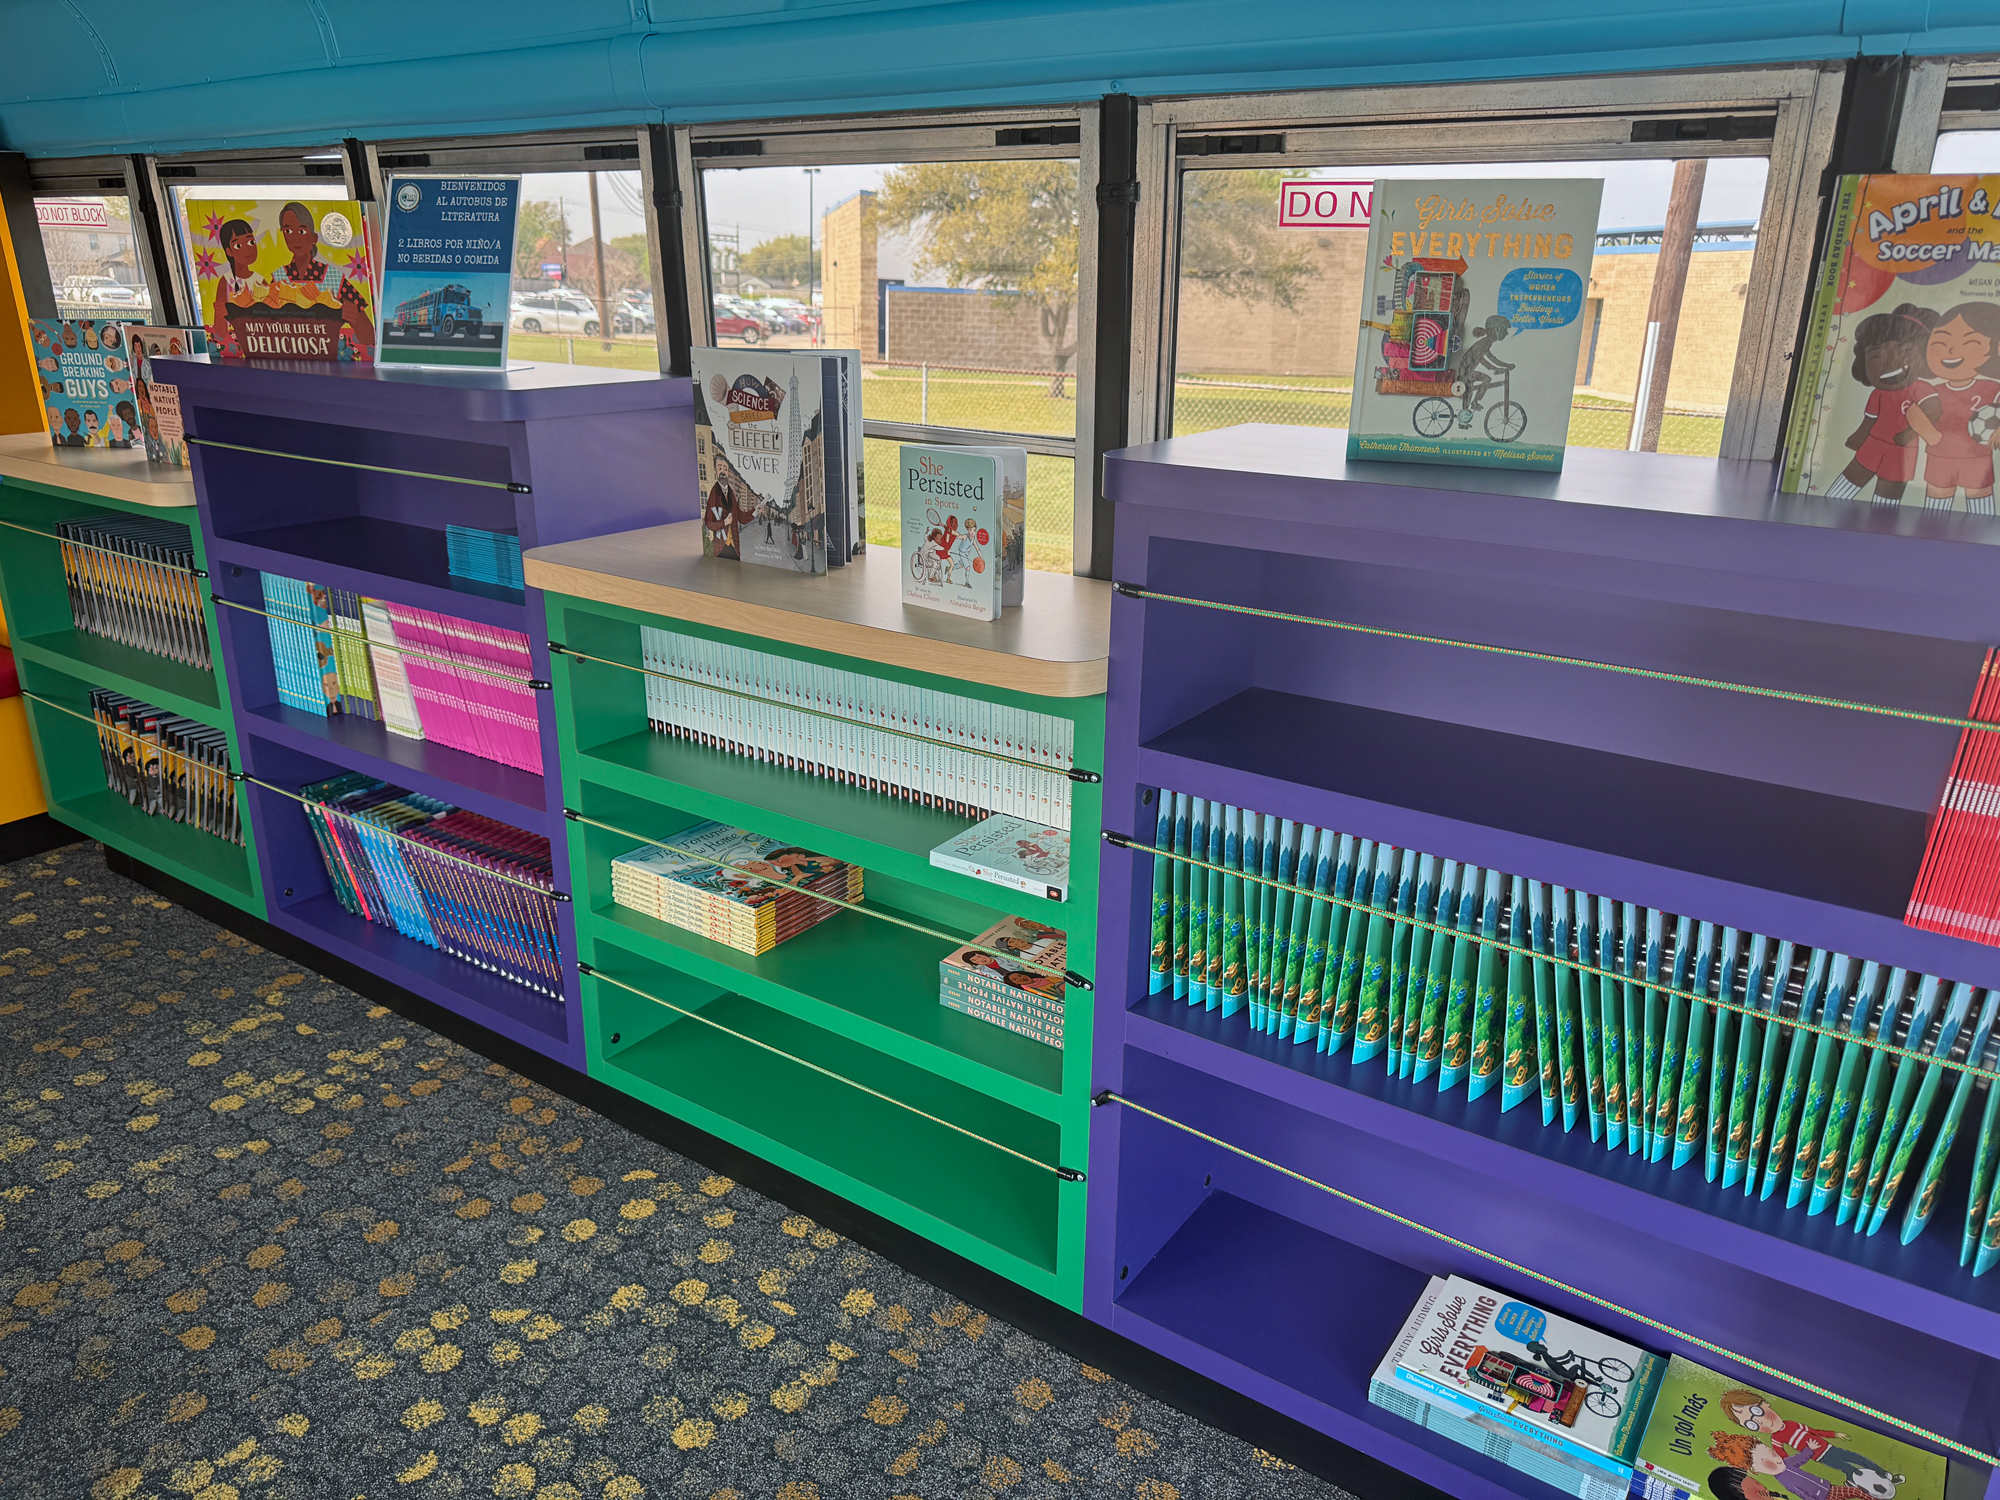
(1956, 417)
(1888, 358)
(1747, 1463)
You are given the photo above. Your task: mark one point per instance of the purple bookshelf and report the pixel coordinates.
(1801, 821)
(355, 475)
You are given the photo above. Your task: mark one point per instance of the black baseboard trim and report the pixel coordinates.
(1205, 1400)
(37, 833)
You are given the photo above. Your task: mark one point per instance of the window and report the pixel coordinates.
(93, 256)
(947, 255)
(1957, 151)
(1261, 321)
(571, 224)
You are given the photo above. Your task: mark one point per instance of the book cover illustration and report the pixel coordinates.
(760, 456)
(772, 864)
(447, 271)
(1471, 283)
(284, 280)
(159, 401)
(999, 987)
(85, 371)
(1569, 1382)
(1899, 382)
(1012, 852)
(951, 530)
(1712, 1437)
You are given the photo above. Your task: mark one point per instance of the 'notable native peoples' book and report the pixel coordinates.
(85, 371)
(284, 279)
(159, 400)
(1899, 380)
(1471, 320)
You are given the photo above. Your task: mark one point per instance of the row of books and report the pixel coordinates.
(1599, 1418)
(459, 682)
(1958, 884)
(484, 556)
(468, 885)
(730, 885)
(937, 749)
(990, 978)
(165, 765)
(778, 457)
(1433, 968)
(131, 579)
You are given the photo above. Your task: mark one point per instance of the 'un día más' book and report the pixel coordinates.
(1711, 1437)
(1471, 319)
(1011, 852)
(283, 279)
(85, 370)
(1562, 1382)
(1899, 371)
(766, 425)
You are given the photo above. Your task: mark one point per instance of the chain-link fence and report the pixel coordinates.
(1034, 401)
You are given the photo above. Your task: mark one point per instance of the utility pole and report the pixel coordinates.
(1649, 407)
(812, 265)
(597, 244)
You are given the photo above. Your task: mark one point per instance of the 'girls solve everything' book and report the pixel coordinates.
(283, 279)
(85, 370)
(964, 528)
(1471, 320)
(1899, 381)
(1712, 1437)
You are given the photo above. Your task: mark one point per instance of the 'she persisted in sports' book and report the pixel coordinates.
(1010, 851)
(1471, 319)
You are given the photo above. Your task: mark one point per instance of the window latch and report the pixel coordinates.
(1116, 194)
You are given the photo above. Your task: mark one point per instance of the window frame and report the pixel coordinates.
(129, 177)
(1928, 106)
(918, 136)
(1456, 122)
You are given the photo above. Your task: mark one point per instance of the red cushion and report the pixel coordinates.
(10, 679)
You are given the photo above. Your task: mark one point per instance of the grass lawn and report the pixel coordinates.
(575, 349)
(1051, 504)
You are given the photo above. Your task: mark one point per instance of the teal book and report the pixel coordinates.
(1422, 1060)
(1778, 1006)
(1488, 1017)
(1456, 1053)
(1518, 1062)
(1548, 1059)
(1673, 1034)
(1743, 1073)
(1281, 928)
(1879, 1001)
(1406, 963)
(1160, 949)
(1653, 1021)
(1233, 978)
(1913, 1022)
(1840, 1010)
(1198, 883)
(1254, 935)
(1930, 1181)
(1907, 1126)
(1569, 1020)
(1638, 1097)
(1371, 1016)
(1326, 978)
(1800, 1045)
(1343, 992)
(1297, 940)
(1218, 888)
(1591, 1031)
(1183, 890)
(1698, 1059)
(1986, 1154)
(1722, 1025)
(1611, 1036)
(1267, 909)
(1312, 960)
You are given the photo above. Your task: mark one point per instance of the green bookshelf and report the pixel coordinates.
(41, 485)
(830, 1055)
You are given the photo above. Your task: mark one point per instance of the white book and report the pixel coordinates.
(1011, 852)
(399, 705)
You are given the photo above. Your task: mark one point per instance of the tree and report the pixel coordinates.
(1230, 240)
(638, 251)
(1006, 227)
(538, 228)
(784, 261)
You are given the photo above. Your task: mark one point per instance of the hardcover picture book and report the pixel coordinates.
(1899, 380)
(84, 366)
(1471, 320)
(160, 401)
(989, 978)
(1012, 852)
(1712, 1437)
(1563, 1382)
(448, 270)
(283, 279)
(964, 528)
(771, 439)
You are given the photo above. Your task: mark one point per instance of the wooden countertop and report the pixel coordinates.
(111, 473)
(1056, 645)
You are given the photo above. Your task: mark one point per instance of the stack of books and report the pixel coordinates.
(165, 765)
(990, 978)
(1958, 883)
(1604, 1009)
(459, 683)
(484, 556)
(959, 755)
(131, 579)
(736, 887)
(468, 885)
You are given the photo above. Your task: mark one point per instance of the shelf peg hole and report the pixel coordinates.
(1146, 797)
(1209, 1180)
(614, 1038)
(288, 890)
(1123, 1272)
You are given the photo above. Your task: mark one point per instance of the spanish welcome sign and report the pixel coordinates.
(447, 271)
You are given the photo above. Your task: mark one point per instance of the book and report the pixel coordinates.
(161, 427)
(1898, 397)
(447, 270)
(999, 987)
(1574, 1386)
(85, 370)
(1011, 852)
(1525, 1452)
(736, 887)
(952, 529)
(282, 279)
(766, 425)
(1470, 282)
(131, 579)
(484, 556)
(1713, 1437)
(165, 765)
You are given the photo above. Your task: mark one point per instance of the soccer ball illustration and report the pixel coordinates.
(1984, 423)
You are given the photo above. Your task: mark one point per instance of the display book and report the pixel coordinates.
(1469, 283)
(423, 675)
(999, 977)
(1012, 852)
(165, 765)
(1430, 968)
(131, 579)
(778, 456)
(730, 885)
(160, 401)
(961, 755)
(964, 523)
(468, 885)
(447, 270)
(84, 368)
(1899, 371)
(278, 278)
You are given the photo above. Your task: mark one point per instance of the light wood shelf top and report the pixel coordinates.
(1056, 645)
(111, 473)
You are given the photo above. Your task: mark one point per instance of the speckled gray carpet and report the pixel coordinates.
(261, 1238)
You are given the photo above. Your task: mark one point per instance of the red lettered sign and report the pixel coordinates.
(1307, 204)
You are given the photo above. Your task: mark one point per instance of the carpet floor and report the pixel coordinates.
(260, 1237)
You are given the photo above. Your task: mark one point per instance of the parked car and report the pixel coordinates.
(98, 289)
(556, 312)
(634, 317)
(733, 325)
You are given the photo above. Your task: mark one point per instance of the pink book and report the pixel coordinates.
(433, 683)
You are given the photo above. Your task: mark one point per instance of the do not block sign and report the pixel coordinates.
(1309, 204)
